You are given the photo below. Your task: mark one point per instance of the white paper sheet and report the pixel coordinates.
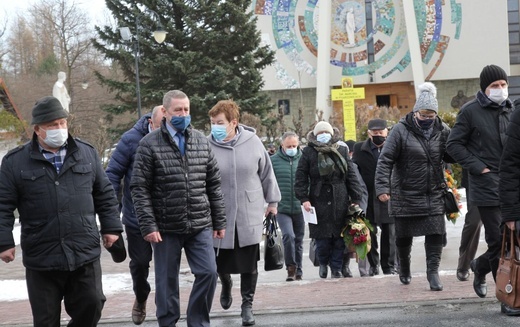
(310, 216)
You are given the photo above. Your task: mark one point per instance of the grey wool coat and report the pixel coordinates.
(248, 182)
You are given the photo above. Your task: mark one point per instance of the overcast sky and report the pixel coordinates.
(9, 8)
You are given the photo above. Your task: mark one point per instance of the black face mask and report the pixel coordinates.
(378, 140)
(425, 124)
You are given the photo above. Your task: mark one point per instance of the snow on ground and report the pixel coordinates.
(15, 290)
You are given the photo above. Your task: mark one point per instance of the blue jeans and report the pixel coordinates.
(330, 252)
(293, 230)
(201, 258)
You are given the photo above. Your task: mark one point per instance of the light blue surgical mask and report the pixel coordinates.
(291, 152)
(180, 123)
(324, 137)
(219, 132)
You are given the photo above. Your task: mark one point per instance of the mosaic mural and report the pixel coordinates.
(294, 25)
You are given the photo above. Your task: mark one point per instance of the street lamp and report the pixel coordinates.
(159, 35)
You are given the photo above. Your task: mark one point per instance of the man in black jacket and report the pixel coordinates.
(365, 156)
(476, 142)
(176, 192)
(58, 185)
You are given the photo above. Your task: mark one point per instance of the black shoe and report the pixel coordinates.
(345, 271)
(390, 271)
(479, 281)
(508, 311)
(248, 319)
(226, 299)
(373, 271)
(324, 270)
(335, 274)
(462, 275)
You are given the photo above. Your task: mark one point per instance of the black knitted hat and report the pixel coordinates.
(490, 74)
(47, 109)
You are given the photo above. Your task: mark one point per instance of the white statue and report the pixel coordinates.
(350, 27)
(59, 91)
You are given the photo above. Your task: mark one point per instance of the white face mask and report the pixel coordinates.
(56, 137)
(498, 95)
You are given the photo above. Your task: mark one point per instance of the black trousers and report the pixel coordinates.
(140, 253)
(469, 237)
(80, 290)
(488, 261)
(387, 248)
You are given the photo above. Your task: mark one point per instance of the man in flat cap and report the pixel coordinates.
(365, 156)
(58, 185)
(476, 142)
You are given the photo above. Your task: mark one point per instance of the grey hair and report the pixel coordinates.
(170, 95)
(289, 134)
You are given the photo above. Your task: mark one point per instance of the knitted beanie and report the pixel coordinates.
(490, 74)
(47, 109)
(323, 126)
(427, 98)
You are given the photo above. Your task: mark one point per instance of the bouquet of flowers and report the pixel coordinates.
(356, 234)
(452, 184)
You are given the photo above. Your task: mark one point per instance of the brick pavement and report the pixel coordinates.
(283, 296)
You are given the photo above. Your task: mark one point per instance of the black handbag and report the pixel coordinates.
(450, 202)
(273, 254)
(312, 253)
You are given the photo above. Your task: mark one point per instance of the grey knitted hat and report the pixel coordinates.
(427, 98)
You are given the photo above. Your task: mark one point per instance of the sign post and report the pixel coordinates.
(347, 94)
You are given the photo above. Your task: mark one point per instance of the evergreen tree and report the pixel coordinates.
(212, 52)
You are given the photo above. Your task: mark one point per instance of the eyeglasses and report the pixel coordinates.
(427, 116)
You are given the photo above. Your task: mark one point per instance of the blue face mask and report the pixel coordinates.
(291, 152)
(324, 137)
(219, 132)
(180, 123)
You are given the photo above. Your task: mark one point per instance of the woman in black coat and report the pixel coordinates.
(326, 179)
(410, 174)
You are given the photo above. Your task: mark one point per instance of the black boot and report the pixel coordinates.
(225, 294)
(345, 270)
(405, 276)
(433, 259)
(247, 289)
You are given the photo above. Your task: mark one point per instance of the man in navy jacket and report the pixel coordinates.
(120, 169)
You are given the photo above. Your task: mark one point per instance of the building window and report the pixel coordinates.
(383, 100)
(513, 21)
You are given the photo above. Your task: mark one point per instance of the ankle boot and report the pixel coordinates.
(225, 294)
(247, 290)
(345, 270)
(405, 275)
(291, 273)
(433, 259)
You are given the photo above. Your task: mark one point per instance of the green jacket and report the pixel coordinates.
(285, 171)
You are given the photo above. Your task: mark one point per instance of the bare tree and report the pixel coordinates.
(63, 28)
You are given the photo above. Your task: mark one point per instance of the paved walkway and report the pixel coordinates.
(274, 294)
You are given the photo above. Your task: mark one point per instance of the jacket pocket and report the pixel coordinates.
(254, 206)
(33, 181)
(82, 177)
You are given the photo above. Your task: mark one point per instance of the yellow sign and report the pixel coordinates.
(347, 94)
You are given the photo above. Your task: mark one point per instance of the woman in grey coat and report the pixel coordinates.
(248, 182)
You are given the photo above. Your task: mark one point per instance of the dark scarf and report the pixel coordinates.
(329, 158)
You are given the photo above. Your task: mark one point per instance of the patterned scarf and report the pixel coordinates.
(329, 158)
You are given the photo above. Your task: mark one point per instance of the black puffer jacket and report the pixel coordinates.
(331, 195)
(175, 194)
(404, 171)
(57, 211)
